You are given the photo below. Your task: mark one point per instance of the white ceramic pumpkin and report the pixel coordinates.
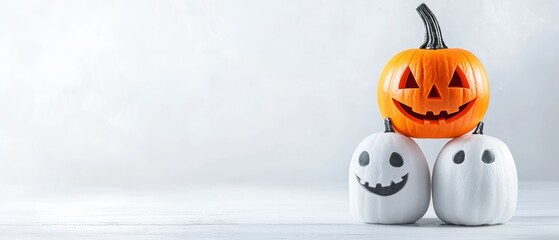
(475, 181)
(389, 181)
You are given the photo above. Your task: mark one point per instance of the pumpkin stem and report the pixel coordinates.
(433, 35)
(388, 125)
(479, 129)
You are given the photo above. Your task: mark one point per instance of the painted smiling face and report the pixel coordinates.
(388, 180)
(475, 181)
(433, 91)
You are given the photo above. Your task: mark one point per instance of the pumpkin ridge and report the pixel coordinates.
(474, 61)
(449, 58)
(473, 87)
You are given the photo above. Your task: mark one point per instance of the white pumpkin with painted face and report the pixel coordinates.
(475, 181)
(389, 180)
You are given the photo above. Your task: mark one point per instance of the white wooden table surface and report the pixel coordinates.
(246, 213)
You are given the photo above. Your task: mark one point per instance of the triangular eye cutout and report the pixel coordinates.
(407, 80)
(458, 79)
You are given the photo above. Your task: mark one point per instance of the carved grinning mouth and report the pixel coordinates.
(430, 116)
(385, 191)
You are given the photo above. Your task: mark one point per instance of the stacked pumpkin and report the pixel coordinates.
(433, 92)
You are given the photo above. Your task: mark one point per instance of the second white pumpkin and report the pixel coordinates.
(475, 181)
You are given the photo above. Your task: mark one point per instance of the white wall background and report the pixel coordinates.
(132, 93)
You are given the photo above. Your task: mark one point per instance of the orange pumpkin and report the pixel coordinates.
(433, 91)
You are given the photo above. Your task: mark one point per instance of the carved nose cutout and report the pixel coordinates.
(434, 93)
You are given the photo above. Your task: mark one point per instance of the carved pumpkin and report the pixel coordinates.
(433, 91)
(475, 181)
(389, 181)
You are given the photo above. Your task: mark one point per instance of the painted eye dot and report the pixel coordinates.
(364, 159)
(459, 157)
(396, 160)
(488, 156)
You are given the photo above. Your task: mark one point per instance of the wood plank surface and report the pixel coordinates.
(246, 212)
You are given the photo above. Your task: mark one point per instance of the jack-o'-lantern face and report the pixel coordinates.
(434, 91)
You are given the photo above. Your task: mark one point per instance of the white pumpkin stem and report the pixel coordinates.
(479, 129)
(388, 125)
